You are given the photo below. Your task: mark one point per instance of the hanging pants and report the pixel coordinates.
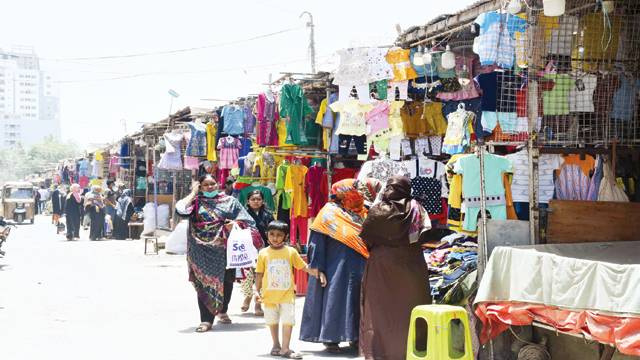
(300, 226)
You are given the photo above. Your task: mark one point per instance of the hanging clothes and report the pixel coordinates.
(266, 108)
(494, 167)
(294, 185)
(382, 169)
(124, 154)
(113, 166)
(459, 131)
(229, 152)
(249, 121)
(212, 129)
(171, 158)
(197, 145)
(283, 198)
(317, 193)
(330, 122)
(295, 107)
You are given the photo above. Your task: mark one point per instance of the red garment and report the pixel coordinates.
(616, 330)
(223, 174)
(150, 168)
(522, 97)
(299, 225)
(441, 218)
(240, 185)
(341, 174)
(83, 181)
(314, 185)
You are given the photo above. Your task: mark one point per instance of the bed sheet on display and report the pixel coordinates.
(579, 288)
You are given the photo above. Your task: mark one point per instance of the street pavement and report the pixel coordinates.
(90, 300)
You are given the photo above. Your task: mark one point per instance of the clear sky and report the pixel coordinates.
(97, 95)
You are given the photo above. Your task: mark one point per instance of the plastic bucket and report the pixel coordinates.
(553, 7)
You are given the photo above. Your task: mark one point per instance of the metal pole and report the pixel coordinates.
(155, 191)
(533, 152)
(312, 43)
(483, 214)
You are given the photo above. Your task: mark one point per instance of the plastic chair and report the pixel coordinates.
(448, 335)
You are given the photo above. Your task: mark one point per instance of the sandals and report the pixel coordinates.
(246, 304)
(275, 351)
(332, 348)
(224, 319)
(204, 327)
(291, 355)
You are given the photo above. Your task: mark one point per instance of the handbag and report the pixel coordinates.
(241, 253)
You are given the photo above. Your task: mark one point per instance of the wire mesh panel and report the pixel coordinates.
(585, 68)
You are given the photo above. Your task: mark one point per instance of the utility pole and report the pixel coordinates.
(312, 43)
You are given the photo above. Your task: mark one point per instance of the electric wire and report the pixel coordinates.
(155, 73)
(176, 51)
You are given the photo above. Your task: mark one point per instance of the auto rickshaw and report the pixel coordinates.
(18, 202)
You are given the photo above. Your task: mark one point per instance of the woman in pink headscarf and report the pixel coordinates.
(73, 211)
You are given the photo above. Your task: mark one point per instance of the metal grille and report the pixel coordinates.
(585, 68)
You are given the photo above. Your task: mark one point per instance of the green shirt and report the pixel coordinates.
(280, 179)
(556, 100)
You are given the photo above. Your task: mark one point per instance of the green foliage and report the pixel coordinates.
(17, 163)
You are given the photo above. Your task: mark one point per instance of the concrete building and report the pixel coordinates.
(29, 99)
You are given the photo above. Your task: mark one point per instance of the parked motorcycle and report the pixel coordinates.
(5, 229)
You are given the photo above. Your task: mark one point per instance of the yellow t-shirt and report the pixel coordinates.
(277, 265)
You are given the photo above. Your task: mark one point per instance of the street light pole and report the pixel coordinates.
(312, 43)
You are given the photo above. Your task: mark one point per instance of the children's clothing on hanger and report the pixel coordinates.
(229, 152)
(171, 158)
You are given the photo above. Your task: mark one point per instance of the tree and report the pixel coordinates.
(16, 163)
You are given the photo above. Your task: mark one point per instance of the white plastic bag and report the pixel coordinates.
(240, 250)
(149, 221)
(163, 216)
(177, 241)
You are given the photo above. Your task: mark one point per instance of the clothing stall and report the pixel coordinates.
(555, 128)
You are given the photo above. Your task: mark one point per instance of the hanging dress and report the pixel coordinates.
(170, 159)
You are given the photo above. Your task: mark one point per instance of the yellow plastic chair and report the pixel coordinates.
(447, 330)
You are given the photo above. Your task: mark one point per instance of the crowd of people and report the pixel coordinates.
(104, 211)
(364, 257)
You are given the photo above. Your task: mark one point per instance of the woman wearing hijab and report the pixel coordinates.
(123, 213)
(395, 278)
(211, 217)
(57, 205)
(332, 314)
(262, 216)
(94, 206)
(73, 211)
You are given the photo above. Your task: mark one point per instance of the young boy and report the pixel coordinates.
(274, 271)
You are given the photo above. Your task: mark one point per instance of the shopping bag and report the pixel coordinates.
(240, 250)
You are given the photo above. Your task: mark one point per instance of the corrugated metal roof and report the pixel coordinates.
(445, 22)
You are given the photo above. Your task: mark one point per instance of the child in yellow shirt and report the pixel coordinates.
(275, 286)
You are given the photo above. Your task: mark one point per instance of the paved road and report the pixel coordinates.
(106, 300)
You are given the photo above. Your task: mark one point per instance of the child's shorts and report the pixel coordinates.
(284, 314)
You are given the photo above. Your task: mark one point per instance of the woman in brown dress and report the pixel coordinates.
(395, 278)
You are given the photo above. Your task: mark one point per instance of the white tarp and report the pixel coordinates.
(589, 276)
